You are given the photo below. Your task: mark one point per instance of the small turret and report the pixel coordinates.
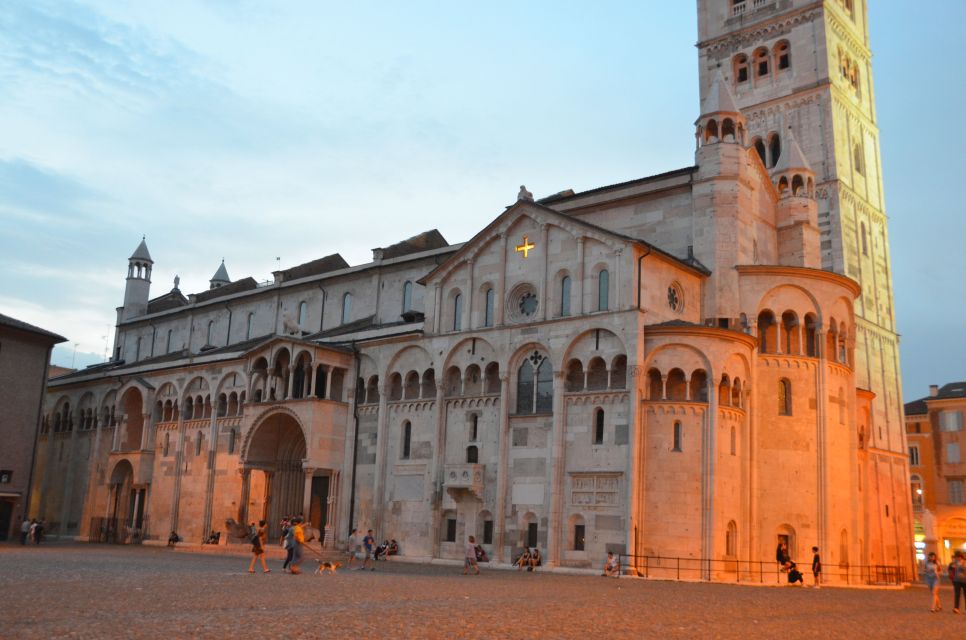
(137, 290)
(798, 234)
(720, 119)
(220, 278)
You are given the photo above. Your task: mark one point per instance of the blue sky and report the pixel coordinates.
(253, 130)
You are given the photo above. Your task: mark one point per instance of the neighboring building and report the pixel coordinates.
(937, 442)
(680, 365)
(24, 357)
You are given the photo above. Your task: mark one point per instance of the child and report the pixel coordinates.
(469, 559)
(612, 566)
(794, 575)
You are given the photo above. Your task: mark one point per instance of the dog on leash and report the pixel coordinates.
(324, 566)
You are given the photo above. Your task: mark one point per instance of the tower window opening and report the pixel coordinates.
(783, 56)
(741, 68)
(761, 62)
(774, 149)
(599, 426)
(678, 438)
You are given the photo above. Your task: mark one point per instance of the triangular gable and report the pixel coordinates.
(505, 222)
(545, 215)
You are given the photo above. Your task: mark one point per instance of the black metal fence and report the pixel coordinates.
(114, 531)
(757, 571)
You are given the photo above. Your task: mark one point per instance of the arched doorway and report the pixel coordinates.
(126, 506)
(272, 475)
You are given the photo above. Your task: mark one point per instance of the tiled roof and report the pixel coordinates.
(425, 241)
(333, 262)
(916, 407)
(952, 390)
(567, 194)
(13, 323)
(245, 284)
(171, 300)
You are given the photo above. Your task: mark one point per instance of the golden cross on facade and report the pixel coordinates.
(526, 247)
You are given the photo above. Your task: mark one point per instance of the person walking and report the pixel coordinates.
(25, 530)
(353, 547)
(957, 573)
(298, 538)
(469, 558)
(258, 548)
(931, 577)
(288, 542)
(369, 542)
(816, 567)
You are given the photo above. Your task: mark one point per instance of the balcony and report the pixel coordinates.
(460, 479)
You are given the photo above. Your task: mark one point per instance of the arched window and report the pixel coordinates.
(865, 240)
(760, 149)
(734, 442)
(858, 159)
(303, 313)
(167, 444)
(346, 308)
(535, 386)
(767, 332)
(731, 539)
(678, 442)
(167, 342)
(407, 302)
(774, 149)
(407, 440)
(598, 426)
(249, 326)
(525, 388)
(544, 387)
(137, 346)
(783, 56)
(458, 312)
(474, 427)
(761, 62)
(198, 443)
(741, 68)
(232, 438)
(488, 308)
(784, 397)
(811, 328)
(565, 296)
(603, 290)
(915, 482)
(211, 326)
(472, 454)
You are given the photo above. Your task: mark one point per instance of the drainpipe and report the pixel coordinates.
(355, 445)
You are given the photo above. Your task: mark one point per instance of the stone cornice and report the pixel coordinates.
(770, 28)
(801, 272)
(700, 331)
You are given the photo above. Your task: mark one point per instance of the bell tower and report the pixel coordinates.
(137, 290)
(801, 70)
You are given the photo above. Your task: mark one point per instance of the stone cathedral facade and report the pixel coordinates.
(700, 363)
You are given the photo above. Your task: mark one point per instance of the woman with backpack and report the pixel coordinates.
(957, 573)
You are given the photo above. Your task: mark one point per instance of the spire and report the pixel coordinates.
(142, 253)
(221, 276)
(793, 158)
(719, 98)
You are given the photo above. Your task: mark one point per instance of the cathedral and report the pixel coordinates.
(698, 364)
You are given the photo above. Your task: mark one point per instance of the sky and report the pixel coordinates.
(270, 134)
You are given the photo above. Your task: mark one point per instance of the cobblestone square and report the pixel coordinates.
(92, 591)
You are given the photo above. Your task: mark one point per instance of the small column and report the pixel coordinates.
(137, 503)
(331, 513)
(545, 246)
(146, 426)
(309, 391)
(246, 487)
(663, 387)
(307, 493)
(501, 289)
(557, 463)
(580, 275)
(328, 382)
(290, 381)
(502, 469)
(778, 337)
(687, 388)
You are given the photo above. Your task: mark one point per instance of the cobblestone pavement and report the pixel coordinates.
(93, 591)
